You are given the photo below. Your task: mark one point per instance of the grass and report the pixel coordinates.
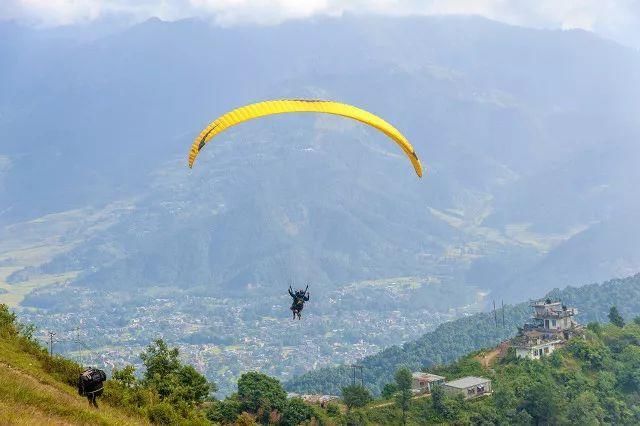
(29, 395)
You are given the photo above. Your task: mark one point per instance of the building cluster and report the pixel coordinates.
(552, 325)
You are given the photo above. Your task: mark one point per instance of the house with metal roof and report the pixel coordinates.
(469, 387)
(423, 382)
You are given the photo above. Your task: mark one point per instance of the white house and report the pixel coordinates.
(469, 387)
(423, 382)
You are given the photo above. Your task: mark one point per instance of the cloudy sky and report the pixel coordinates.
(615, 19)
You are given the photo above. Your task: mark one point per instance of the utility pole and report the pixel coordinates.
(495, 315)
(502, 301)
(357, 367)
(51, 334)
(79, 343)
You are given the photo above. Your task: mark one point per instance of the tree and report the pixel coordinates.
(585, 410)
(437, 401)
(542, 402)
(637, 320)
(163, 414)
(504, 399)
(296, 412)
(403, 398)
(356, 418)
(356, 396)
(159, 360)
(446, 407)
(615, 318)
(125, 377)
(259, 393)
(595, 327)
(172, 380)
(225, 411)
(521, 418)
(193, 385)
(389, 390)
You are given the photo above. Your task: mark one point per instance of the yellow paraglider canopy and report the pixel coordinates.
(261, 109)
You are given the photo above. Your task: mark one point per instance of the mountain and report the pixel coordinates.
(529, 144)
(526, 140)
(454, 339)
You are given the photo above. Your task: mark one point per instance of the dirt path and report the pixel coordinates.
(487, 359)
(386, 404)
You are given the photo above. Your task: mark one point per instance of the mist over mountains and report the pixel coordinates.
(529, 138)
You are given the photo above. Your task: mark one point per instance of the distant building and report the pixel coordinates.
(422, 382)
(469, 387)
(551, 326)
(321, 400)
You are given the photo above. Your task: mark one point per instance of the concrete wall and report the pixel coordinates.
(466, 392)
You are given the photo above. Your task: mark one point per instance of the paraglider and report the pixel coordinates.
(282, 106)
(299, 297)
(262, 109)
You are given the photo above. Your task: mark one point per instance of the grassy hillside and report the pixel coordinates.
(36, 389)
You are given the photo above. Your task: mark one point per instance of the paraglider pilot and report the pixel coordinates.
(299, 297)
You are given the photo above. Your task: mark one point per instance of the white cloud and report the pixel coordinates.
(617, 19)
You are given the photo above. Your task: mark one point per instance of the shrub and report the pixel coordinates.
(162, 414)
(63, 369)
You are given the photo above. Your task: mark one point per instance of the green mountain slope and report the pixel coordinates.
(454, 339)
(592, 380)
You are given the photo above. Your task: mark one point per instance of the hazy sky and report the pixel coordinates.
(615, 19)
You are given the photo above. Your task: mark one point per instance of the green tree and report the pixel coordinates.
(542, 402)
(521, 418)
(484, 415)
(261, 394)
(403, 398)
(438, 402)
(595, 327)
(585, 410)
(8, 321)
(163, 414)
(225, 411)
(125, 377)
(173, 381)
(389, 390)
(356, 418)
(356, 396)
(160, 360)
(446, 407)
(333, 410)
(296, 412)
(504, 399)
(615, 318)
(636, 320)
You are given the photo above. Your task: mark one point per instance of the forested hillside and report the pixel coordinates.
(591, 381)
(456, 338)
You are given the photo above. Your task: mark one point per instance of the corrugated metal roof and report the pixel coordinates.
(467, 382)
(427, 376)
